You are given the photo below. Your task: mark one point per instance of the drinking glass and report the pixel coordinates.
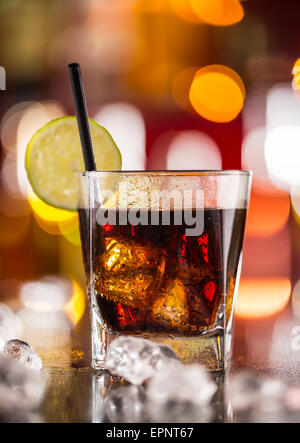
(162, 252)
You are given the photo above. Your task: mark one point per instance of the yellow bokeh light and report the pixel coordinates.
(217, 93)
(70, 230)
(218, 12)
(296, 75)
(259, 298)
(47, 212)
(73, 237)
(76, 306)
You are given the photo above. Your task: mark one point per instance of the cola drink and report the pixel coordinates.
(154, 278)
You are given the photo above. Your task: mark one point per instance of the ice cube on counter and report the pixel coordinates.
(23, 352)
(189, 385)
(20, 387)
(137, 359)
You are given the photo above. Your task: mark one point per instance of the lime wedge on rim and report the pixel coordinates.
(54, 156)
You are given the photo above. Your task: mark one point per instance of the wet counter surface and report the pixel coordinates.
(83, 395)
(76, 393)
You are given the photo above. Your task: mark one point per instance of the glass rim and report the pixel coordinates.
(184, 173)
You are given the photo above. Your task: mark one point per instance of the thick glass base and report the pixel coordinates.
(207, 350)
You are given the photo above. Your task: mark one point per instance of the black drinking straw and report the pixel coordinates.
(82, 117)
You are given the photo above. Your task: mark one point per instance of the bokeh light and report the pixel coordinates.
(76, 306)
(48, 294)
(267, 214)
(180, 87)
(9, 177)
(217, 93)
(283, 131)
(10, 171)
(47, 212)
(9, 125)
(203, 152)
(126, 125)
(50, 308)
(13, 207)
(295, 204)
(296, 75)
(33, 118)
(269, 255)
(218, 12)
(254, 111)
(70, 230)
(296, 300)
(153, 7)
(46, 330)
(109, 32)
(282, 107)
(157, 158)
(50, 219)
(184, 10)
(253, 158)
(283, 156)
(259, 298)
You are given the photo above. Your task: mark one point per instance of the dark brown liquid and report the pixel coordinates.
(158, 279)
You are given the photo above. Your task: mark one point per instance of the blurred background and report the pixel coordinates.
(180, 84)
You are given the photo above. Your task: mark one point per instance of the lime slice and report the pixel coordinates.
(54, 159)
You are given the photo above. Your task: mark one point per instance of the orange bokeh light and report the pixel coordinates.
(217, 93)
(180, 87)
(267, 214)
(184, 10)
(218, 12)
(259, 298)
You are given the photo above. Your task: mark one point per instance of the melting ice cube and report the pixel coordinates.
(20, 388)
(187, 385)
(137, 359)
(23, 352)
